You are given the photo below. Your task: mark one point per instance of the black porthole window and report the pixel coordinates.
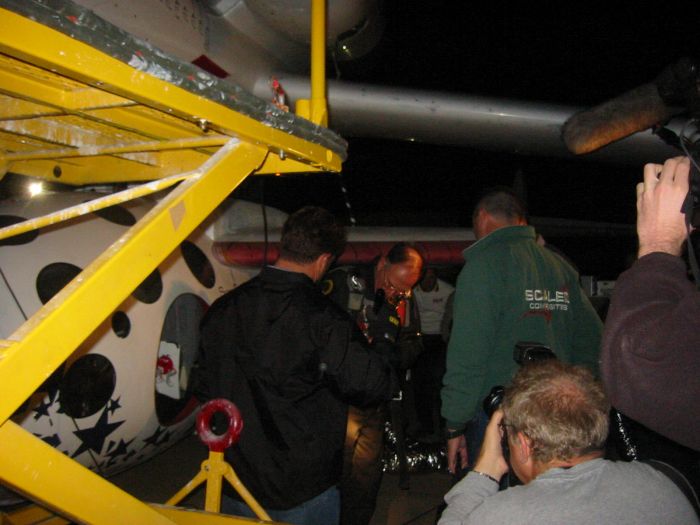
(198, 263)
(52, 278)
(121, 325)
(150, 289)
(16, 240)
(87, 386)
(117, 215)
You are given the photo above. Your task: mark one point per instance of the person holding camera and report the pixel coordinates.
(510, 290)
(554, 420)
(650, 360)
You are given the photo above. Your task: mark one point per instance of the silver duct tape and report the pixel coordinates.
(629, 452)
(420, 457)
(82, 24)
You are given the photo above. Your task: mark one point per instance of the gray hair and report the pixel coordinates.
(560, 407)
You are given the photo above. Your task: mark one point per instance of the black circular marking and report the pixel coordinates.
(87, 386)
(57, 171)
(52, 278)
(121, 325)
(198, 263)
(150, 289)
(117, 215)
(22, 238)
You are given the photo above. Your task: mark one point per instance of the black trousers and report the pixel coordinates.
(362, 464)
(427, 375)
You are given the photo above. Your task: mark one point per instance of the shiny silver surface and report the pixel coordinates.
(530, 128)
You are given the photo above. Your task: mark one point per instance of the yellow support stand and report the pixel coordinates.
(212, 471)
(215, 468)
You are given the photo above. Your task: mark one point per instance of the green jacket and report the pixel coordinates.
(512, 289)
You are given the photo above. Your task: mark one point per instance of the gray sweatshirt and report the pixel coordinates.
(597, 491)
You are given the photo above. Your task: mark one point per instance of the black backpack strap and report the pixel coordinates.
(678, 479)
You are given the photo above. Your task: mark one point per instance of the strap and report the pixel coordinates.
(678, 479)
(691, 205)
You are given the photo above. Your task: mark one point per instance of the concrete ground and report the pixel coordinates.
(160, 478)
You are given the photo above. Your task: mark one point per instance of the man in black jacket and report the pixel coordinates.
(291, 360)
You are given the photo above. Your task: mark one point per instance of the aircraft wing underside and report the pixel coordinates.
(485, 123)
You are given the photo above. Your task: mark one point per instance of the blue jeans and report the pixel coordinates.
(323, 509)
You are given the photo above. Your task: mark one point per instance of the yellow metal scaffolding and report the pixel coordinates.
(70, 112)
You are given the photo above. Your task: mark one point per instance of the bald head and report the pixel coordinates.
(399, 270)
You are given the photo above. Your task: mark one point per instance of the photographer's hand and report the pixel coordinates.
(491, 460)
(660, 222)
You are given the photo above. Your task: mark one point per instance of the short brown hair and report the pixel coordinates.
(501, 202)
(560, 407)
(309, 233)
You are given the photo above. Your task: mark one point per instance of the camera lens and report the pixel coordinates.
(493, 400)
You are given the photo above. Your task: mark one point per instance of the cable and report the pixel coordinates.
(264, 214)
(688, 205)
(348, 206)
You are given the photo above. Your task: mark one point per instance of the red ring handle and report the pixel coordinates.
(216, 442)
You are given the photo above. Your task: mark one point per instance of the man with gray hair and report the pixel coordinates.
(554, 419)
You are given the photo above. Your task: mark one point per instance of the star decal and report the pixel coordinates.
(42, 409)
(113, 406)
(52, 384)
(54, 440)
(94, 438)
(153, 438)
(119, 450)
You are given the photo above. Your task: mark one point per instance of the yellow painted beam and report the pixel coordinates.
(316, 109)
(42, 343)
(319, 110)
(134, 147)
(31, 467)
(91, 206)
(105, 170)
(146, 121)
(14, 108)
(30, 83)
(70, 97)
(50, 49)
(274, 165)
(198, 517)
(32, 515)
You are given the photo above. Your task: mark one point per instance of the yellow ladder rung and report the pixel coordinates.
(32, 514)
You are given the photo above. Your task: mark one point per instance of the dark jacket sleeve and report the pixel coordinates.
(650, 359)
(361, 376)
(214, 362)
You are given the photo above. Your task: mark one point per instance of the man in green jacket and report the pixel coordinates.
(510, 290)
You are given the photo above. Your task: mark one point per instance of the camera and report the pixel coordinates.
(493, 400)
(526, 352)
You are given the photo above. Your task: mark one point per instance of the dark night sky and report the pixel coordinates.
(569, 54)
